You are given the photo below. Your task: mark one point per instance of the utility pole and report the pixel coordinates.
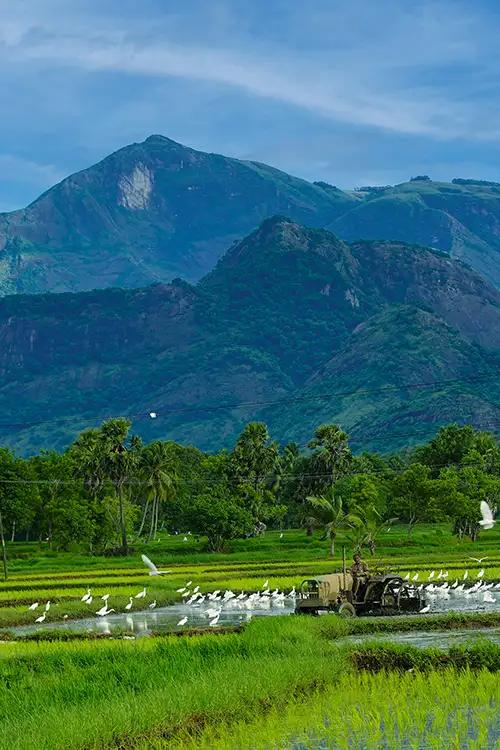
(4, 549)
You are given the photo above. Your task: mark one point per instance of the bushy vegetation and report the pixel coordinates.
(109, 488)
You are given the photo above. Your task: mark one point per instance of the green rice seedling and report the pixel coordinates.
(396, 711)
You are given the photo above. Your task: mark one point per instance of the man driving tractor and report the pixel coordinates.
(359, 571)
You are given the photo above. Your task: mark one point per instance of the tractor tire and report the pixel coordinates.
(347, 610)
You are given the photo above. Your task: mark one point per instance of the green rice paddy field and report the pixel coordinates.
(281, 682)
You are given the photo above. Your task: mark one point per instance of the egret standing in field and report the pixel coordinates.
(41, 618)
(128, 606)
(141, 594)
(33, 606)
(104, 611)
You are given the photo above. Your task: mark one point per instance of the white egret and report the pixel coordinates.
(89, 600)
(214, 622)
(152, 414)
(182, 622)
(33, 606)
(153, 570)
(481, 573)
(479, 560)
(266, 584)
(425, 609)
(487, 597)
(141, 594)
(487, 521)
(152, 605)
(104, 611)
(41, 618)
(431, 575)
(85, 596)
(105, 598)
(47, 606)
(129, 605)
(466, 575)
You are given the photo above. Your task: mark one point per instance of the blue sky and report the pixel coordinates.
(370, 92)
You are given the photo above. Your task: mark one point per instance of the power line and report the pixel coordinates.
(247, 404)
(138, 481)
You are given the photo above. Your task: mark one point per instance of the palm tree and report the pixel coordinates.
(329, 514)
(158, 472)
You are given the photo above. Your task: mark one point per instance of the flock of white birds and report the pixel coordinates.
(216, 600)
(192, 596)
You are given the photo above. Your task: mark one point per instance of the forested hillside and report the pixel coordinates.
(293, 325)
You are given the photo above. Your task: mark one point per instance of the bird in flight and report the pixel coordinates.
(478, 559)
(153, 570)
(487, 521)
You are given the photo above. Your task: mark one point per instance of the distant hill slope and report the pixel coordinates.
(460, 218)
(156, 210)
(289, 314)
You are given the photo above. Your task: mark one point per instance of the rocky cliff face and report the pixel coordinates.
(289, 314)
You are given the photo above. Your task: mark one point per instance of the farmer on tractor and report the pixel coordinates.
(359, 572)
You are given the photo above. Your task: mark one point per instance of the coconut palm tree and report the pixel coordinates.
(157, 469)
(328, 513)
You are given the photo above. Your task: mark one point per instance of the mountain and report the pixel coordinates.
(293, 325)
(461, 218)
(149, 212)
(156, 210)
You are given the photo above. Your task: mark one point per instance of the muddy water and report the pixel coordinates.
(163, 619)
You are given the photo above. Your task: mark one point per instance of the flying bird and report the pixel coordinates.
(152, 414)
(478, 559)
(153, 570)
(487, 521)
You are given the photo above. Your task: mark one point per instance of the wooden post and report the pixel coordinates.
(4, 549)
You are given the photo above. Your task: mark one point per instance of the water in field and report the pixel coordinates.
(428, 639)
(164, 619)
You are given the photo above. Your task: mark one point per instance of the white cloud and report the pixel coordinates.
(373, 72)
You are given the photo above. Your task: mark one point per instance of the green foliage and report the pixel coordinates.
(219, 517)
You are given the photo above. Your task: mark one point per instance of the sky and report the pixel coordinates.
(365, 93)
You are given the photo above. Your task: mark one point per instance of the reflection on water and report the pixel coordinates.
(162, 619)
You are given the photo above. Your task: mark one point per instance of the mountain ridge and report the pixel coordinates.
(157, 209)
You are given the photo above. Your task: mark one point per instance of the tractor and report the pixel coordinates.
(379, 594)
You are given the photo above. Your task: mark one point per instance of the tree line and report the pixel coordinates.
(108, 489)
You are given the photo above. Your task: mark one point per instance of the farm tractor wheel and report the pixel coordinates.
(347, 610)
